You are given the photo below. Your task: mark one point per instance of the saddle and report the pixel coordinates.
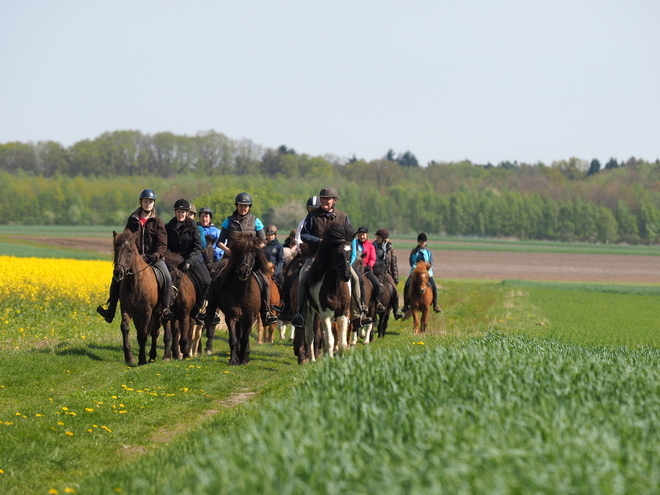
(160, 278)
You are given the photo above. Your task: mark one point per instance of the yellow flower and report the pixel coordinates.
(70, 433)
(60, 423)
(65, 409)
(89, 409)
(53, 491)
(69, 490)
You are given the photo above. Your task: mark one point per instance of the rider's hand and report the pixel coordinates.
(150, 258)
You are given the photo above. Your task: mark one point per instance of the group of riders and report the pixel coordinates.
(203, 247)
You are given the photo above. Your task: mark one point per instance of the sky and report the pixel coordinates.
(484, 80)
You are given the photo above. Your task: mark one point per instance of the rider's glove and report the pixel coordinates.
(150, 258)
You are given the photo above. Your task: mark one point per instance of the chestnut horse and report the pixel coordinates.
(138, 297)
(329, 288)
(265, 334)
(236, 292)
(420, 296)
(178, 332)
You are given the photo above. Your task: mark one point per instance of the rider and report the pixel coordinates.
(363, 249)
(192, 213)
(274, 252)
(421, 254)
(211, 233)
(183, 238)
(385, 254)
(311, 234)
(151, 243)
(244, 221)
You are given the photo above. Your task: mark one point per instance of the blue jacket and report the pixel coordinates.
(419, 254)
(212, 234)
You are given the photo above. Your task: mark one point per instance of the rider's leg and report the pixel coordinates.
(167, 296)
(204, 278)
(406, 297)
(378, 290)
(436, 308)
(267, 317)
(109, 314)
(357, 301)
(298, 319)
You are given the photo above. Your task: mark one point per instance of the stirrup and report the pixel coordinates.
(437, 309)
(298, 321)
(365, 320)
(380, 308)
(167, 315)
(269, 318)
(398, 314)
(278, 306)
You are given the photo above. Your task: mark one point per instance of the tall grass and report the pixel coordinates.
(498, 414)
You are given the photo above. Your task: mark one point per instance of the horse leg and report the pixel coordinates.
(154, 331)
(309, 340)
(326, 326)
(260, 332)
(425, 319)
(125, 332)
(342, 328)
(184, 337)
(244, 342)
(210, 334)
(142, 334)
(270, 332)
(233, 342)
(167, 340)
(415, 320)
(281, 327)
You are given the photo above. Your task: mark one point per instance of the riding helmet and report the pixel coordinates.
(329, 192)
(148, 194)
(243, 199)
(182, 204)
(313, 202)
(271, 229)
(362, 230)
(206, 209)
(193, 209)
(421, 237)
(383, 233)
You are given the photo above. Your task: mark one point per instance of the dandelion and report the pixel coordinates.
(60, 423)
(70, 433)
(65, 409)
(89, 409)
(39, 415)
(53, 491)
(69, 490)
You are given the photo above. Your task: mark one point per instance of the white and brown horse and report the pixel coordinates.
(329, 288)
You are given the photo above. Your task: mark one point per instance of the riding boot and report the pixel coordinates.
(109, 314)
(434, 289)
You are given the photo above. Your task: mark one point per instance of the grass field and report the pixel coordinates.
(519, 387)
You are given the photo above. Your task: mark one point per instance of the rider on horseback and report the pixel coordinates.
(385, 254)
(151, 242)
(421, 254)
(211, 232)
(243, 221)
(275, 253)
(365, 250)
(312, 231)
(183, 238)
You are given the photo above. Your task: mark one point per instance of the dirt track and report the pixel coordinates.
(481, 264)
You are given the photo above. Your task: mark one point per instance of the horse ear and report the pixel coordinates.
(114, 234)
(428, 265)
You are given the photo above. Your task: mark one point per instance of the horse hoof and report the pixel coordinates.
(167, 359)
(209, 352)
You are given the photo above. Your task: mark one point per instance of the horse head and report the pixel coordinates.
(247, 256)
(421, 276)
(125, 254)
(336, 249)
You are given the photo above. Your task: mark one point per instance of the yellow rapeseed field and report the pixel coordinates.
(46, 300)
(39, 279)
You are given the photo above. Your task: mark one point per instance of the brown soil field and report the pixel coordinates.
(480, 264)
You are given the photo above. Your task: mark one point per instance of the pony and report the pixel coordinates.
(420, 296)
(387, 300)
(328, 288)
(178, 333)
(138, 297)
(235, 291)
(265, 334)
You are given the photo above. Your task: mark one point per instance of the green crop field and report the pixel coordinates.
(519, 387)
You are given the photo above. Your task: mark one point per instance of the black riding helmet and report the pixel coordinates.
(148, 194)
(362, 230)
(243, 198)
(182, 204)
(206, 209)
(313, 202)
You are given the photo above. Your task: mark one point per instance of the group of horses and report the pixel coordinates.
(235, 291)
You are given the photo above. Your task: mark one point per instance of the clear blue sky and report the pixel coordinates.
(487, 80)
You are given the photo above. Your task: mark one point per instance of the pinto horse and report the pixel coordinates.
(236, 292)
(138, 297)
(420, 296)
(329, 288)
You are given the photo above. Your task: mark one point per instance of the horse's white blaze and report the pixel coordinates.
(347, 247)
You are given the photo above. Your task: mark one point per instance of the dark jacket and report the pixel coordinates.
(315, 224)
(152, 238)
(238, 223)
(385, 253)
(184, 240)
(275, 254)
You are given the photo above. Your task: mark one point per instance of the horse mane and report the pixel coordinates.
(422, 267)
(243, 243)
(379, 268)
(334, 235)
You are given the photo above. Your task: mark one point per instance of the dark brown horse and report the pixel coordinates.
(236, 292)
(178, 332)
(387, 299)
(420, 295)
(138, 297)
(329, 289)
